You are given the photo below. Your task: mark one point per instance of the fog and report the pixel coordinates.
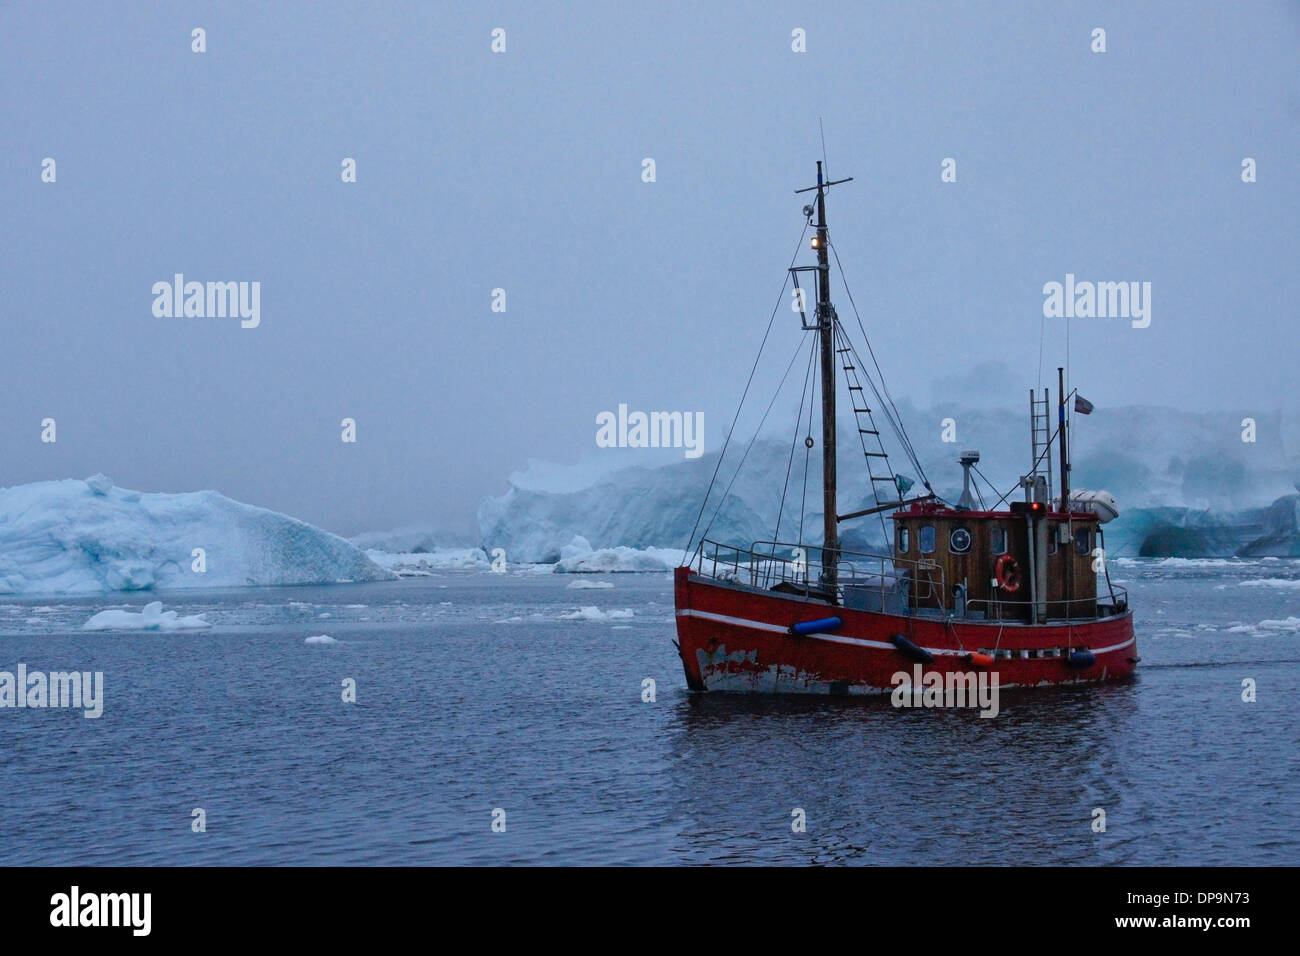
(523, 171)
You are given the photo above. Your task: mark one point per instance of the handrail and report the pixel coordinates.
(921, 581)
(1119, 602)
(917, 585)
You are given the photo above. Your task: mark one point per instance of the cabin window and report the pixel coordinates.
(959, 540)
(926, 539)
(998, 541)
(903, 539)
(1083, 541)
(1052, 530)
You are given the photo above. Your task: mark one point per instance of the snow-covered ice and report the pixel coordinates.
(593, 613)
(1267, 627)
(152, 618)
(582, 584)
(76, 537)
(320, 639)
(578, 557)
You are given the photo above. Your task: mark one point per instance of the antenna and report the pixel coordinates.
(969, 459)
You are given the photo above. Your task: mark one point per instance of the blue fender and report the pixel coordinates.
(819, 626)
(1081, 658)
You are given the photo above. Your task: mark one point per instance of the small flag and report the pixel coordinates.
(1082, 405)
(903, 485)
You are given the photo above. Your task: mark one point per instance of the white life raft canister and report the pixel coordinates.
(1100, 503)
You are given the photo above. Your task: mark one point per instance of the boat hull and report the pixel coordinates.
(737, 639)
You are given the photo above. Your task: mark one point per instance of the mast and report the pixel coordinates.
(825, 327)
(826, 330)
(1065, 461)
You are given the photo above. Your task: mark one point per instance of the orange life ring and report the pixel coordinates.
(1008, 573)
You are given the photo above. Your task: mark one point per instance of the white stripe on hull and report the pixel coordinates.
(861, 642)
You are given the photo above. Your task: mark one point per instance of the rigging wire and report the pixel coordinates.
(895, 423)
(842, 339)
(753, 438)
(798, 427)
(807, 449)
(1046, 449)
(892, 415)
(748, 382)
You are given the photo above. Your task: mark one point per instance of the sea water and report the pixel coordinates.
(506, 718)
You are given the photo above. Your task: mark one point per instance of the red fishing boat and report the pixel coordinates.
(1019, 591)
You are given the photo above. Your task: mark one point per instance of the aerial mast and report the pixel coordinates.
(825, 326)
(826, 330)
(1063, 427)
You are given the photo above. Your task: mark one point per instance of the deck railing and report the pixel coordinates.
(1075, 609)
(771, 564)
(878, 581)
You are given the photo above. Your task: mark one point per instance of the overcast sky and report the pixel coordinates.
(523, 170)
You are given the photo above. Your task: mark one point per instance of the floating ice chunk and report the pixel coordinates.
(320, 639)
(1271, 583)
(618, 560)
(152, 618)
(1267, 627)
(593, 613)
(582, 584)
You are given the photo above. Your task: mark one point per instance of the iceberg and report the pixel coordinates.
(1186, 482)
(85, 537)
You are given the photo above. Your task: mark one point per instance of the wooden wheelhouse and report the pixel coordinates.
(1025, 564)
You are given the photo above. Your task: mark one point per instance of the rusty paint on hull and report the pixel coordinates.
(736, 639)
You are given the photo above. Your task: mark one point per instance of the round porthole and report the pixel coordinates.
(959, 541)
